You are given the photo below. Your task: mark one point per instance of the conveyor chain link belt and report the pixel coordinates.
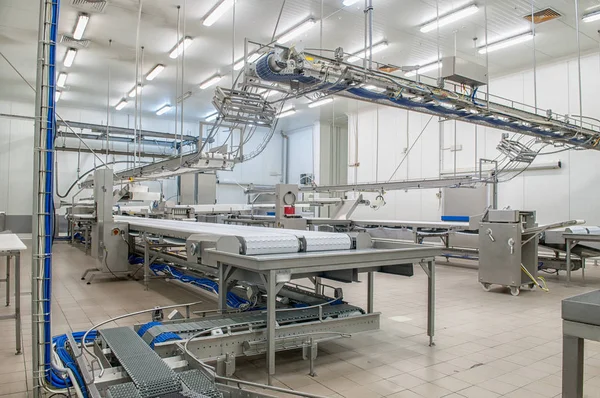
(150, 375)
(254, 319)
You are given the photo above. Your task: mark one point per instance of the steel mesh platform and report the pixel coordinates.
(150, 374)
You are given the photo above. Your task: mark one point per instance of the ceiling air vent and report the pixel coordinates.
(545, 15)
(68, 40)
(90, 5)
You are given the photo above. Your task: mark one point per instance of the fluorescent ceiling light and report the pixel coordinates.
(296, 31)
(155, 71)
(82, 22)
(213, 80)
(364, 53)
(69, 57)
(320, 102)
(217, 12)
(251, 58)
(164, 109)
(57, 94)
(424, 69)
(211, 117)
(62, 79)
(591, 17)
(511, 41)
(121, 105)
(449, 18)
(347, 3)
(179, 47)
(184, 96)
(135, 91)
(285, 113)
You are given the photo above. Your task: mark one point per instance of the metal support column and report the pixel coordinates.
(222, 287)
(370, 292)
(431, 302)
(572, 367)
(18, 300)
(271, 323)
(568, 255)
(146, 262)
(7, 280)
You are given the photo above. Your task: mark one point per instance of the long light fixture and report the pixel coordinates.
(511, 41)
(155, 72)
(62, 79)
(211, 117)
(296, 31)
(185, 96)
(347, 3)
(69, 57)
(213, 80)
(251, 58)
(122, 104)
(134, 91)
(179, 47)
(320, 102)
(80, 26)
(57, 94)
(286, 113)
(364, 53)
(449, 18)
(591, 17)
(424, 69)
(164, 109)
(217, 12)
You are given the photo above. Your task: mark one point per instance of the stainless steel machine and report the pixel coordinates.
(508, 249)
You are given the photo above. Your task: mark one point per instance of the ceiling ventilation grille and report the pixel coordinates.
(545, 15)
(90, 5)
(68, 40)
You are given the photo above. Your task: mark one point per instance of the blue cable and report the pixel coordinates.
(60, 343)
(49, 192)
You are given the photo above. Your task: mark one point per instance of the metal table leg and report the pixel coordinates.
(18, 300)
(572, 367)
(568, 241)
(271, 324)
(583, 269)
(370, 292)
(222, 287)
(8, 280)
(146, 263)
(431, 302)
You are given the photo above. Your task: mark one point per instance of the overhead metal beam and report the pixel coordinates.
(427, 183)
(126, 131)
(112, 152)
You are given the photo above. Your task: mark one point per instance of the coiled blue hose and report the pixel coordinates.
(233, 300)
(60, 346)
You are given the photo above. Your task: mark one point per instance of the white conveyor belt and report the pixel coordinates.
(258, 240)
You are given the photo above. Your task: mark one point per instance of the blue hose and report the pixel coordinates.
(60, 344)
(233, 300)
(49, 192)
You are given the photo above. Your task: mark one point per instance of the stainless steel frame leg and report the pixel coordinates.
(271, 324)
(583, 269)
(8, 280)
(18, 300)
(222, 287)
(146, 263)
(572, 367)
(568, 255)
(431, 302)
(370, 292)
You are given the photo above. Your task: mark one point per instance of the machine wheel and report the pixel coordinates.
(515, 291)
(486, 286)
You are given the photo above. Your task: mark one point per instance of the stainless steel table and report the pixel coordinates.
(275, 270)
(571, 240)
(581, 320)
(11, 247)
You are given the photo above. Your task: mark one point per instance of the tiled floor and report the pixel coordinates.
(487, 344)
